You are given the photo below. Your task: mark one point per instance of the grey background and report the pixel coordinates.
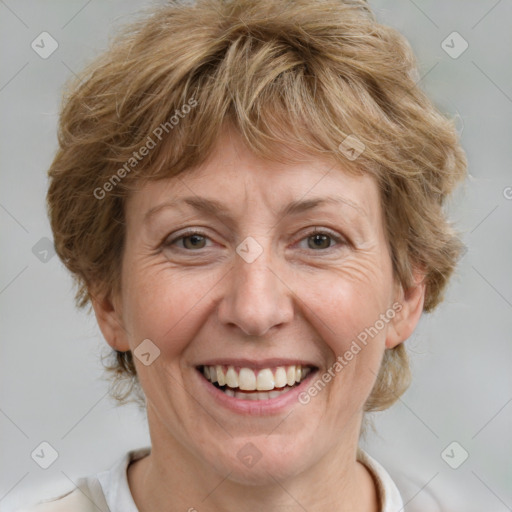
(51, 386)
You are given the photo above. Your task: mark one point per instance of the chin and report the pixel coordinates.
(260, 461)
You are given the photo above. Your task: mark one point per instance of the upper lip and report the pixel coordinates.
(256, 364)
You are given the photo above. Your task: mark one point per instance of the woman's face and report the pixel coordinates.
(257, 268)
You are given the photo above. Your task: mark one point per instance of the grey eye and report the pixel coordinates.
(319, 241)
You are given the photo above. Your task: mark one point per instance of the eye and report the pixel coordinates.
(316, 240)
(189, 240)
(322, 239)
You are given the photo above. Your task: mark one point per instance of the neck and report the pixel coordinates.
(171, 478)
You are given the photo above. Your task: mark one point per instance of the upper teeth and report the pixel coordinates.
(262, 380)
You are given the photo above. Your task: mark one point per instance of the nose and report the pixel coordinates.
(257, 298)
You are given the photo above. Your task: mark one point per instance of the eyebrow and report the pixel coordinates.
(217, 209)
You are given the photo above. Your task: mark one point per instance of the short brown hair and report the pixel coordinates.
(286, 74)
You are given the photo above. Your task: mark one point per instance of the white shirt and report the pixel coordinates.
(108, 491)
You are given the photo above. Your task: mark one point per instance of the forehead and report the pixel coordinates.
(234, 179)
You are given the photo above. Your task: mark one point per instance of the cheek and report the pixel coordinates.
(346, 308)
(345, 303)
(166, 306)
(345, 319)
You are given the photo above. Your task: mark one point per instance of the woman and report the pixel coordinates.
(250, 195)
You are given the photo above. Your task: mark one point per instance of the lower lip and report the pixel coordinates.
(256, 407)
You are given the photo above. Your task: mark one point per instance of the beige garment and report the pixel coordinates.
(86, 497)
(109, 491)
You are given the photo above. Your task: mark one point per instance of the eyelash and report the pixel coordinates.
(338, 239)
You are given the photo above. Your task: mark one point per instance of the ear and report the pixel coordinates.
(409, 306)
(110, 321)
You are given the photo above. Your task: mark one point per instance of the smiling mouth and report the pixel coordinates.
(247, 384)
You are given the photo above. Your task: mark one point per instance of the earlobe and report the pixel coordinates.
(411, 306)
(110, 322)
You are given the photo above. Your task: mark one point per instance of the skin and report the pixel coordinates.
(297, 299)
